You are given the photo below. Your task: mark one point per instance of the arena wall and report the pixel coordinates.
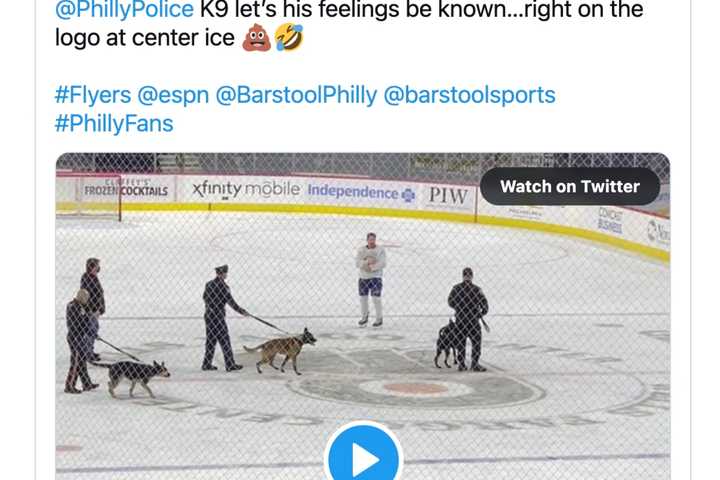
(620, 227)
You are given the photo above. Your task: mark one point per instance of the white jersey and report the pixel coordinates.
(370, 261)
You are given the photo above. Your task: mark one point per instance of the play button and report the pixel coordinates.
(363, 450)
(361, 460)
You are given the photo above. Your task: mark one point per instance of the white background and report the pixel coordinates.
(620, 88)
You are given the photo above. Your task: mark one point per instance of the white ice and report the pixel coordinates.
(583, 328)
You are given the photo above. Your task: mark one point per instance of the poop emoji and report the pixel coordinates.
(256, 39)
(288, 36)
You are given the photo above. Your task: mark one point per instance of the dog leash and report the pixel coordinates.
(268, 324)
(118, 349)
(487, 327)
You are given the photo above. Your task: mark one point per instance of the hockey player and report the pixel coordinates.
(470, 304)
(96, 302)
(216, 296)
(370, 261)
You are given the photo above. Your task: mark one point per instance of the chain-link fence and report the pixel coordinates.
(463, 167)
(568, 306)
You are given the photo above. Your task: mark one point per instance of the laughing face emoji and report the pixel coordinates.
(256, 40)
(288, 36)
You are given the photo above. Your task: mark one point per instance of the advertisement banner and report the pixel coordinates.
(610, 220)
(148, 188)
(362, 193)
(634, 226)
(240, 189)
(529, 212)
(135, 189)
(658, 233)
(448, 198)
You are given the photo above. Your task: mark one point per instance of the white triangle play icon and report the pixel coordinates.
(361, 460)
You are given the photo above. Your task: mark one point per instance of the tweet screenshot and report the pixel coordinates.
(362, 239)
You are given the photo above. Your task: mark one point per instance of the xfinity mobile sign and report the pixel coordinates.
(240, 189)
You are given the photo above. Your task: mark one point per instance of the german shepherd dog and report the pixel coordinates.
(135, 372)
(289, 346)
(447, 341)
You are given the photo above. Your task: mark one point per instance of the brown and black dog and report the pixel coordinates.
(289, 346)
(135, 372)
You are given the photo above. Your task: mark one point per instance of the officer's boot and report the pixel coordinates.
(85, 379)
(71, 380)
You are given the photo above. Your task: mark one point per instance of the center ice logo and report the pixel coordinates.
(406, 383)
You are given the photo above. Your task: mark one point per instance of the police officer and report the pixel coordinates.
(216, 295)
(96, 303)
(80, 337)
(470, 304)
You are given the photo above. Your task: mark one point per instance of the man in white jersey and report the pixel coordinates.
(370, 261)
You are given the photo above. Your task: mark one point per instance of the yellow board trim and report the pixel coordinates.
(645, 250)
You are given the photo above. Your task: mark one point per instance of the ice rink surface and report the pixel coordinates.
(578, 355)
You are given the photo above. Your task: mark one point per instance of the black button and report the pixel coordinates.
(570, 186)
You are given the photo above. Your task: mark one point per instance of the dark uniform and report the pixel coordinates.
(96, 303)
(217, 295)
(469, 303)
(80, 336)
(91, 283)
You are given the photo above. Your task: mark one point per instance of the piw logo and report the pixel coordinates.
(454, 198)
(449, 195)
